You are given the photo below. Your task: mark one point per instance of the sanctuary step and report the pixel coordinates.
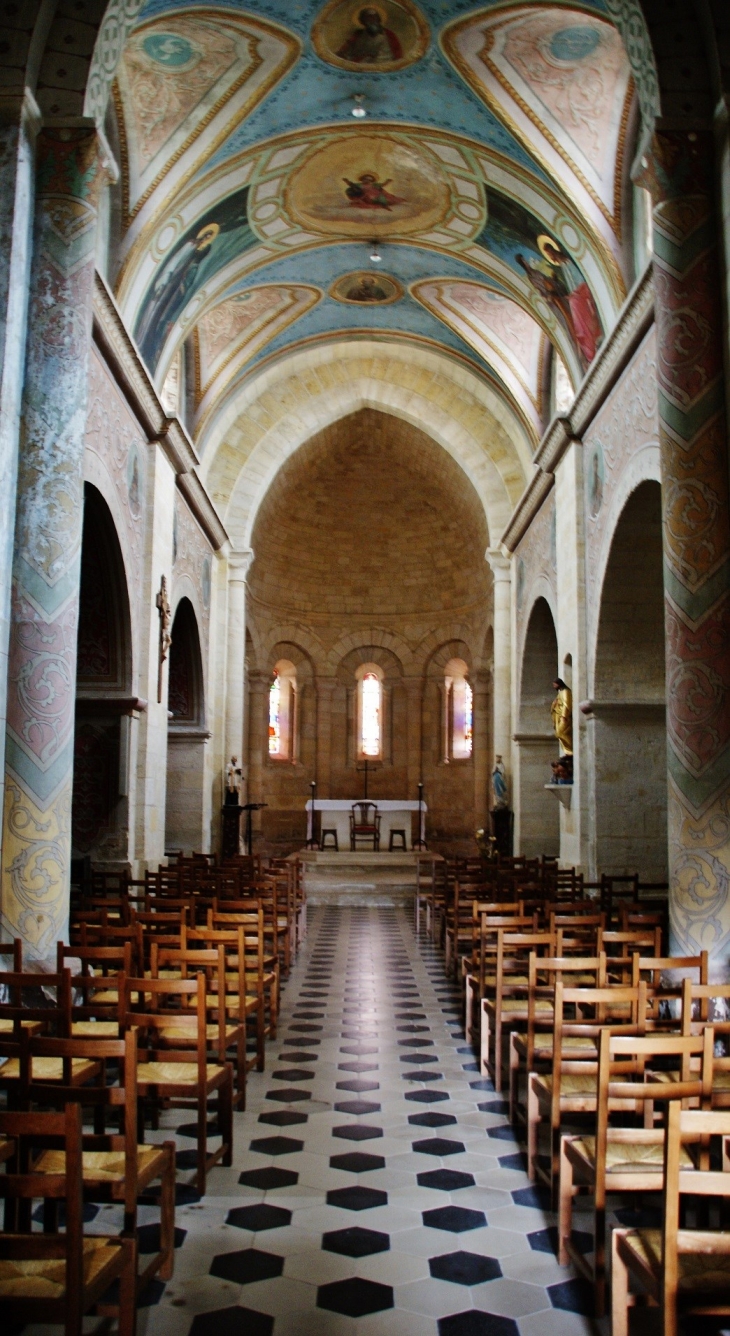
(360, 878)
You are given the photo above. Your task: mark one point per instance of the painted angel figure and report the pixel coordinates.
(370, 193)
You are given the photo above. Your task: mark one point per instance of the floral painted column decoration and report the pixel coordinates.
(696, 527)
(46, 563)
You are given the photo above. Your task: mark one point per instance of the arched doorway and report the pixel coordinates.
(100, 816)
(537, 827)
(629, 707)
(186, 737)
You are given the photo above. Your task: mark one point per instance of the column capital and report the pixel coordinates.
(677, 163)
(500, 564)
(239, 564)
(258, 678)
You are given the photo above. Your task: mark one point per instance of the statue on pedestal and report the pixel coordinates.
(233, 783)
(499, 783)
(562, 716)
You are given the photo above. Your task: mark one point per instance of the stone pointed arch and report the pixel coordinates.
(288, 404)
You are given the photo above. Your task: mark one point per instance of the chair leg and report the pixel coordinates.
(498, 1053)
(167, 1214)
(468, 1008)
(127, 1323)
(484, 1042)
(514, 1074)
(533, 1120)
(225, 1117)
(619, 1288)
(565, 1204)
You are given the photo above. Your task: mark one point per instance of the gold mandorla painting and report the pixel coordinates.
(368, 186)
(385, 36)
(366, 289)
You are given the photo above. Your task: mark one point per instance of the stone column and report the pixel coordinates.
(325, 691)
(238, 566)
(258, 689)
(414, 694)
(696, 513)
(46, 563)
(19, 123)
(481, 750)
(502, 671)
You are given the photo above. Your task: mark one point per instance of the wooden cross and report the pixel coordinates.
(165, 612)
(364, 768)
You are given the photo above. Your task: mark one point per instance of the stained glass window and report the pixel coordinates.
(468, 718)
(370, 715)
(275, 716)
(459, 712)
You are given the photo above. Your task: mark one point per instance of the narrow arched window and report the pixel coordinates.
(370, 712)
(282, 712)
(458, 712)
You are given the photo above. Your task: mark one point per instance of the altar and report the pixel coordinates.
(395, 814)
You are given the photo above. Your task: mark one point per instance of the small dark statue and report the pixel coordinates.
(562, 770)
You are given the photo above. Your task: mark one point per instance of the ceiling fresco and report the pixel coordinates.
(485, 176)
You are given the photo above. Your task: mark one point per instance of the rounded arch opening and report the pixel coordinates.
(186, 827)
(104, 674)
(537, 824)
(629, 707)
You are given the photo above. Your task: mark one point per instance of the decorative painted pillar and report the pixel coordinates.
(238, 567)
(19, 122)
(502, 670)
(46, 564)
(696, 523)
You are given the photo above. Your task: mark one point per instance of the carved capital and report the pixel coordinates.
(239, 564)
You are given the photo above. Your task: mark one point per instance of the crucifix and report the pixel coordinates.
(165, 612)
(363, 769)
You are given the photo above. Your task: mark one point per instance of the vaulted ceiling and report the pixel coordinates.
(488, 173)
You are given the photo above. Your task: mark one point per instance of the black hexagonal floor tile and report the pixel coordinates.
(358, 1087)
(244, 1267)
(357, 1132)
(259, 1217)
(283, 1117)
(355, 1241)
(268, 1179)
(357, 1162)
(148, 1238)
(445, 1180)
(464, 1268)
(535, 1195)
(232, 1322)
(277, 1145)
(518, 1161)
(422, 1076)
(572, 1296)
(359, 1050)
(484, 1084)
(357, 1106)
(455, 1219)
(357, 1198)
(355, 1066)
(546, 1240)
(438, 1146)
(412, 1029)
(292, 1074)
(431, 1119)
(494, 1106)
(303, 1027)
(296, 1057)
(504, 1132)
(415, 1043)
(419, 1057)
(191, 1130)
(355, 1298)
(290, 1095)
(300, 1042)
(427, 1096)
(475, 1323)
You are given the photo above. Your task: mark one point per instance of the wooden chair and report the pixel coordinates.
(25, 1014)
(365, 824)
(58, 1278)
(683, 1271)
(572, 1086)
(505, 1006)
(166, 1073)
(226, 1029)
(261, 969)
(625, 1159)
(116, 1170)
(479, 972)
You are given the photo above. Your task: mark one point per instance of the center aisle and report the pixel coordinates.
(377, 1187)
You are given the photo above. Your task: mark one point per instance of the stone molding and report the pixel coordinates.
(124, 362)
(634, 320)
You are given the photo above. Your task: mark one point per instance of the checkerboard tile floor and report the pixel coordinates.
(377, 1189)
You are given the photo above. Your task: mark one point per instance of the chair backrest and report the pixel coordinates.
(364, 814)
(21, 987)
(688, 1126)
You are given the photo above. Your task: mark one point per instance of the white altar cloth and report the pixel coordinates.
(395, 814)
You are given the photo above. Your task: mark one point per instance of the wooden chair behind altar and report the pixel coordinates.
(365, 824)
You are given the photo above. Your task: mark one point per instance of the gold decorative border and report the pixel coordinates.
(387, 67)
(278, 73)
(448, 44)
(360, 273)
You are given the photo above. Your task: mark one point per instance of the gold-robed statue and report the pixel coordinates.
(562, 715)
